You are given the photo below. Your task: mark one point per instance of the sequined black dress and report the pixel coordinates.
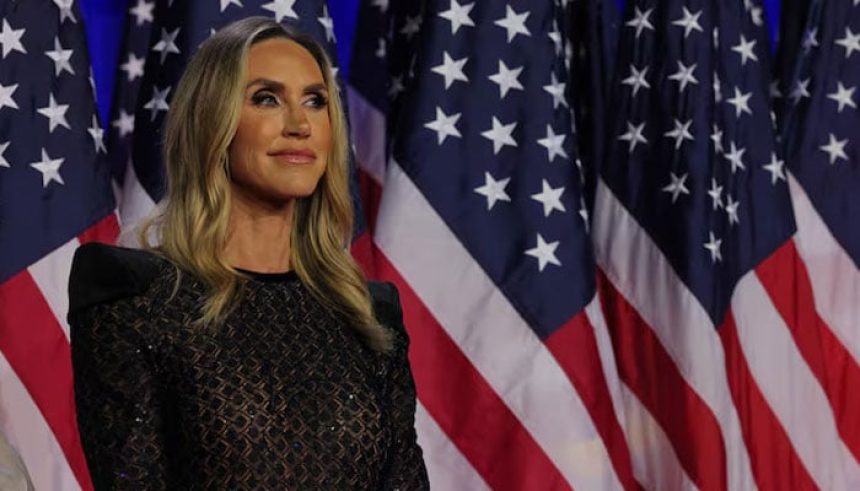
(283, 396)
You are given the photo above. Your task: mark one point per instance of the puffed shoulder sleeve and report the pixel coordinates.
(405, 468)
(116, 391)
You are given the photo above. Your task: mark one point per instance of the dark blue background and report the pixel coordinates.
(105, 21)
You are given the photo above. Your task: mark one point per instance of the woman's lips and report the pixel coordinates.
(296, 156)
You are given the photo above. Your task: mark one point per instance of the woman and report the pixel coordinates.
(246, 351)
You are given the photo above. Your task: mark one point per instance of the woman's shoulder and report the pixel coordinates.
(386, 305)
(104, 273)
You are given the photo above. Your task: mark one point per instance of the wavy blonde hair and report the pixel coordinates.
(191, 228)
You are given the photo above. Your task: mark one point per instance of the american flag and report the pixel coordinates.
(483, 227)
(54, 195)
(733, 375)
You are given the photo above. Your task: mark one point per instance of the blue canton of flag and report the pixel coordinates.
(488, 140)
(693, 154)
(53, 185)
(821, 118)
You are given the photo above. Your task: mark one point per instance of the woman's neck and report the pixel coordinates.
(259, 237)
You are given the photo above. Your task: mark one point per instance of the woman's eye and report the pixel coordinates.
(264, 99)
(317, 101)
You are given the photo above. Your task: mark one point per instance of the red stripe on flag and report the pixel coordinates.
(574, 346)
(32, 340)
(371, 196)
(648, 370)
(775, 464)
(464, 405)
(105, 231)
(786, 281)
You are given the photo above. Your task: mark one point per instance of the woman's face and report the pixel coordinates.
(281, 146)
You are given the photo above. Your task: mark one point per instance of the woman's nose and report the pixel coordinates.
(296, 123)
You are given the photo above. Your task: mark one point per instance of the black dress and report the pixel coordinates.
(284, 395)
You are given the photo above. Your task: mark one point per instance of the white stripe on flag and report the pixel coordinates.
(51, 274)
(368, 134)
(834, 277)
(446, 465)
(792, 392)
(27, 431)
(655, 464)
(640, 272)
(135, 206)
(491, 334)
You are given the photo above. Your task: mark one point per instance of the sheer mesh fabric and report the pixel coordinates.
(283, 396)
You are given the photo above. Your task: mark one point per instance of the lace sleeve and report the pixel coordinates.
(119, 415)
(405, 469)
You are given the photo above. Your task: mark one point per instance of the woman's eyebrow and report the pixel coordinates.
(268, 83)
(314, 88)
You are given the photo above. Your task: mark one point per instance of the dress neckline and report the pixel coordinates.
(280, 277)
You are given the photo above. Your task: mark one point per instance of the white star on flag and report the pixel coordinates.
(800, 90)
(637, 79)
(850, 42)
(227, 3)
(3, 161)
(776, 169)
(124, 124)
(741, 102)
(514, 23)
(716, 194)
(500, 134)
(680, 133)
(717, 138)
(158, 101)
(810, 39)
(745, 49)
(843, 97)
(282, 9)
(451, 69)
(65, 7)
(493, 190)
(327, 23)
(167, 44)
(382, 4)
(684, 75)
(98, 135)
(458, 15)
(444, 125)
(11, 39)
(506, 79)
(142, 12)
(550, 198)
(640, 21)
(544, 252)
(732, 210)
(734, 157)
(411, 26)
(713, 245)
(50, 169)
(835, 149)
(61, 58)
(676, 187)
(56, 114)
(133, 67)
(556, 90)
(553, 143)
(689, 22)
(6, 99)
(634, 135)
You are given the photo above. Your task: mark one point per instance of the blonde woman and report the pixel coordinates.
(245, 350)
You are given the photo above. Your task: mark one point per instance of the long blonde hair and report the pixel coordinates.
(192, 226)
